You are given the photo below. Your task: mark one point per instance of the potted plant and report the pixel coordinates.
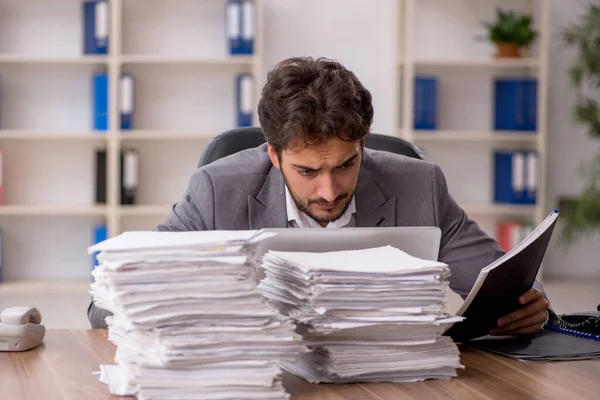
(510, 32)
(582, 214)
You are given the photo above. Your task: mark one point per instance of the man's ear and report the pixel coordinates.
(273, 156)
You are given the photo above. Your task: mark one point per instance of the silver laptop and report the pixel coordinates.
(421, 242)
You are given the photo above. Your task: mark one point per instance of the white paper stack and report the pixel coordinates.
(188, 319)
(368, 315)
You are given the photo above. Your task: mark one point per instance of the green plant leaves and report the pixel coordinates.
(583, 214)
(511, 27)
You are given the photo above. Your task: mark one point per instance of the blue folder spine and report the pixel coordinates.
(95, 27)
(100, 235)
(425, 103)
(126, 101)
(508, 177)
(515, 104)
(244, 95)
(233, 22)
(531, 107)
(515, 177)
(100, 110)
(248, 28)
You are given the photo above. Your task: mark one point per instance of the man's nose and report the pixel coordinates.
(328, 189)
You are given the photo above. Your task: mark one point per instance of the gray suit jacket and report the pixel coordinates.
(245, 191)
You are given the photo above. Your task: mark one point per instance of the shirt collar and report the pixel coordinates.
(304, 221)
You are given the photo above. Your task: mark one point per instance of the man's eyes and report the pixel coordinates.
(306, 172)
(309, 172)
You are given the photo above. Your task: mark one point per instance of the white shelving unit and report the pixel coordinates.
(439, 38)
(184, 96)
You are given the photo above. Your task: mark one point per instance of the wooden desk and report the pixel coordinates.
(62, 367)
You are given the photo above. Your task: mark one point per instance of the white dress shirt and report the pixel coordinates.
(298, 219)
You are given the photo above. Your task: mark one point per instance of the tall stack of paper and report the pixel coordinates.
(188, 320)
(368, 315)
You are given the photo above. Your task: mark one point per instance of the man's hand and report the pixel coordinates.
(528, 319)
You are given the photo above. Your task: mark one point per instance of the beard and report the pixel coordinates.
(305, 206)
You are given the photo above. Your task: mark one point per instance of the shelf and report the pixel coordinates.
(164, 59)
(500, 210)
(425, 136)
(165, 135)
(15, 134)
(34, 59)
(490, 63)
(26, 210)
(145, 210)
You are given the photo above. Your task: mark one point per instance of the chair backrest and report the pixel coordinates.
(239, 139)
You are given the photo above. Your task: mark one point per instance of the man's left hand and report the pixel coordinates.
(528, 319)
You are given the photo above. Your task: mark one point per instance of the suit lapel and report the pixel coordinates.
(267, 209)
(372, 208)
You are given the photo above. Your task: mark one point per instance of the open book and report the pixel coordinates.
(499, 285)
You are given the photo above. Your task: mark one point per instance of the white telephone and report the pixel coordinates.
(21, 329)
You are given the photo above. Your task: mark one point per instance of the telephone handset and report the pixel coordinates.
(584, 325)
(582, 322)
(21, 329)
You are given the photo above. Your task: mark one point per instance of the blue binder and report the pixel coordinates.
(248, 27)
(126, 101)
(244, 96)
(95, 27)
(100, 235)
(100, 110)
(515, 104)
(509, 177)
(425, 103)
(233, 22)
(532, 105)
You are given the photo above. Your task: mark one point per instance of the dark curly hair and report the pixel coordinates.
(313, 100)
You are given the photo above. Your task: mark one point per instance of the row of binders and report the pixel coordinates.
(244, 103)
(514, 102)
(129, 176)
(240, 17)
(515, 177)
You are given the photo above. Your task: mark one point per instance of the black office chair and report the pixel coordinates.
(239, 139)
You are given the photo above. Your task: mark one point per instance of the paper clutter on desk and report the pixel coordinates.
(373, 315)
(188, 320)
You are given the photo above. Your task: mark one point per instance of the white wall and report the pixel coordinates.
(568, 146)
(361, 34)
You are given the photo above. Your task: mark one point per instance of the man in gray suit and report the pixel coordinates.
(316, 173)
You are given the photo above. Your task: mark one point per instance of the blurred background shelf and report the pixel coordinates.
(483, 63)
(168, 59)
(145, 210)
(50, 135)
(434, 136)
(133, 135)
(53, 210)
(44, 59)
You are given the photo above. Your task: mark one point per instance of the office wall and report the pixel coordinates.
(568, 145)
(359, 33)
